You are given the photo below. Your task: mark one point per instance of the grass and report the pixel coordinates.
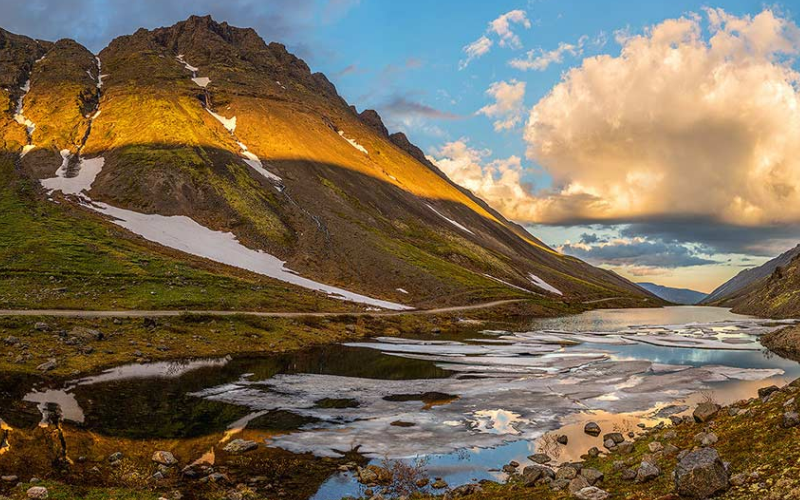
(60, 256)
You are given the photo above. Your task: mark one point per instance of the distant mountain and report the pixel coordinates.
(728, 293)
(206, 140)
(674, 295)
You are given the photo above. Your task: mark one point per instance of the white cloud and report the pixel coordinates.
(676, 126)
(502, 29)
(498, 182)
(508, 106)
(540, 60)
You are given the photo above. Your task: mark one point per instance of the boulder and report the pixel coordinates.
(37, 492)
(164, 458)
(628, 474)
(705, 412)
(609, 444)
(591, 475)
(466, 489)
(701, 474)
(562, 439)
(576, 484)
(790, 419)
(593, 452)
(625, 447)
(766, 391)
(539, 458)
(655, 447)
(592, 429)
(566, 473)
(706, 438)
(614, 436)
(647, 472)
(47, 365)
(533, 473)
(240, 446)
(591, 493)
(439, 484)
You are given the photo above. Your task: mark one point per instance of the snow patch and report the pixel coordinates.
(184, 234)
(202, 81)
(186, 65)
(27, 149)
(228, 123)
(87, 173)
(19, 117)
(451, 221)
(506, 283)
(255, 163)
(354, 143)
(401, 290)
(543, 284)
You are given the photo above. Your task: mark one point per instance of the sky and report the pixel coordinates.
(657, 139)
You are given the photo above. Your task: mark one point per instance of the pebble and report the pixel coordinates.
(37, 492)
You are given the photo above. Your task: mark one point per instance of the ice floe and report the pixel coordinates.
(506, 387)
(451, 221)
(354, 143)
(543, 284)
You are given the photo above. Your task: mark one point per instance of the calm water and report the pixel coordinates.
(511, 391)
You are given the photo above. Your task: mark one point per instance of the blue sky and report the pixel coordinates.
(406, 59)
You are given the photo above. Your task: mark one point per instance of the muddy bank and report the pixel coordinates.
(785, 342)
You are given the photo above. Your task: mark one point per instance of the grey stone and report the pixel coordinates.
(592, 429)
(164, 458)
(591, 493)
(614, 436)
(240, 446)
(566, 473)
(790, 419)
(37, 492)
(533, 473)
(701, 474)
(647, 472)
(540, 458)
(705, 412)
(576, 484)
(592, 475)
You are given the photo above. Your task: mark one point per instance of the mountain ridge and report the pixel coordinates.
(208, 121)
(674, 295)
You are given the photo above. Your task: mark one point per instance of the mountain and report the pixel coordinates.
(674, 295)
(203, 148)
(773, 296)
(732, 290)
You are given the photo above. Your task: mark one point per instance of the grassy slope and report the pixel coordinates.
(776, 296)
(59, 256)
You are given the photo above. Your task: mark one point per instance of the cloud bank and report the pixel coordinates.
(679, 124)
(508, 105)
(501, 29)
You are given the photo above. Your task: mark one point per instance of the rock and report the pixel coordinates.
(766, 391)
(591, 493)
(706, 438)
(647, 472)
(421, 483)
(164, 458)
(513, 463)
(559, 484)
(115, 457)
(655, 447)
(671, 450)
(439, 484)
(628, 474)
(705, 412)
(609, 444)
(509, 469)
(37, 492)
(576, 484)
(614, 436)
(566, 473)
(591, 475)
(701, 474)
(9, 479)
(539, 458)
(48, 365)
(466, 489)
(533, 473)
(592, 429)
(790, 419)
(240, 446)
(625, 447)
(11, 340)
(670, 435)
(41, 326)
(593, 452)
(562, 439)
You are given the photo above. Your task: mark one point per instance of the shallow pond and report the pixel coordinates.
(462, 405)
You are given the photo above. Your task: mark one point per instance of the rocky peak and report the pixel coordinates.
(372, 119)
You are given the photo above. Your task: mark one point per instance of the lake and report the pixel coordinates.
(461, 405)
